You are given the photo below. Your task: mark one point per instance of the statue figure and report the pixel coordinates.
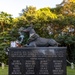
(21, 37)
(36, 41)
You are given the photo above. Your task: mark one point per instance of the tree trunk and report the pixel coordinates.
(3, 65)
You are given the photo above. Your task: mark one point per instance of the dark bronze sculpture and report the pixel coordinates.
(21, 39)
(36, 41)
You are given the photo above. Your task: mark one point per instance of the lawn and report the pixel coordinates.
(70, 71)
(5, 71)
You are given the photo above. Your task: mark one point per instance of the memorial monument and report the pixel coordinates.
(36, 41)
(40, 56)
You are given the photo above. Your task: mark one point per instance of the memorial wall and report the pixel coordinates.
(37, 61)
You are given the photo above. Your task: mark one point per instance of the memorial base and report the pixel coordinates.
(37, 61)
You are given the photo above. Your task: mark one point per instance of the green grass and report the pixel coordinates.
(5, 71)
(70, 71)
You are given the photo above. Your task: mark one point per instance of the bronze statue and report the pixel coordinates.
(21, 37)
(36, 41)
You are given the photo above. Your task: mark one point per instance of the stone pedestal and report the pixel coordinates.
(37, 61)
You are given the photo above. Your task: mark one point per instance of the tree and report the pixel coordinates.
(5, 21)
(64, 2)
(28, 15)
(5, 27)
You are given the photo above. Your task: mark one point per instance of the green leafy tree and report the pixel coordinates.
(27, 16)
(5, 27)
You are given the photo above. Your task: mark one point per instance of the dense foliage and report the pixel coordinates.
(57, 23)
